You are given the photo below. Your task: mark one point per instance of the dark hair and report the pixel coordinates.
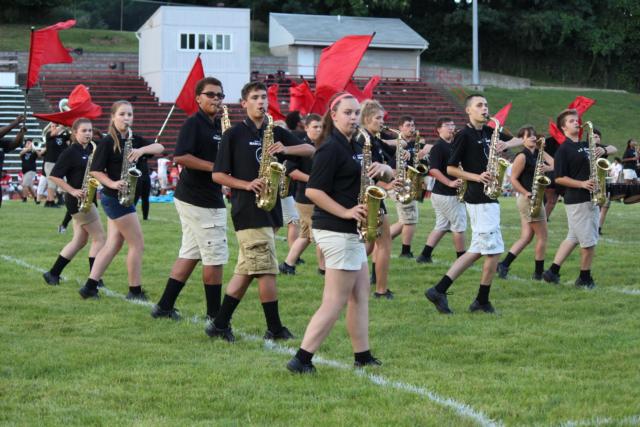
(327, 121)
(630, 141)
(112, 128)
(76, 124)
(207, 81)
(442, 120)
(251, 87)
(293, 119)
(529, 130)
(405, 118)
(562, 117)
(313, 117)
(468, 99)
(597, 132)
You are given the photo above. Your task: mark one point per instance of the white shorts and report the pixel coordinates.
(486, 238)
(583, 220)
(48, 167)
(204, 233)
(629, 174)
(450, 213)
(342, 251)
(429, 182)
(163, 181)
(289, 211)
(27, 178)
(407, 213)
(42, 185)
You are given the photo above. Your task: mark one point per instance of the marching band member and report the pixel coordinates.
(57, 140)
(629, 162)
(28, 158)
(7, 146)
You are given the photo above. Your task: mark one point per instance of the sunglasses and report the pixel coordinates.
(213, 95)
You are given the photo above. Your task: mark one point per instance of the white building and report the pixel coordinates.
(172, 37)
(394, 51)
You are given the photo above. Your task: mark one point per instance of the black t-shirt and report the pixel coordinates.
(530, 160)
(336, 171)
(629, 164)
(439, 159)
(55, 145)
(572, 161)
(200, 137)
(304, 165)
(29, 161)
(72, 165)
(471, 151)
(239, 155)
(110, 162)
(551, 146)
(5, 144)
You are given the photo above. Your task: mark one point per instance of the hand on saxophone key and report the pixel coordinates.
(485, 178)
(588, 185)
(456, 183)
(135, 154)
(257, 185)
(406, 156)
(358, 212)
(277, 148)
(376, 170)
(118, 185)
(77, 193)
(599, 151)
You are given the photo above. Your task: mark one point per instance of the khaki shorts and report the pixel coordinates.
(82, 218)
(305, 210)
(486, 237)
(583, 219)
(204, 233)
(289, 212)
(27, 179)
(257, 252)
(342, 251)
(48, 167)
(407, 214)
(450, 213)
(524, 208)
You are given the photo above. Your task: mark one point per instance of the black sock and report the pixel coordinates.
(227, 308)
(304, 356)
(539, 266)
(213, 293)
(459, 254)
(272, 316)
(508, 259)
(585, 275)
(426, 251)
(406, 249)
(92, 259)
(363, 356)
(555, 268)
(91, 284)
(136, 290)
(170, 294)
(444, 284)
(483, 294)
(373, 272)
(59, 265)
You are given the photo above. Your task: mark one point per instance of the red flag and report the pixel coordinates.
(46, 48)
(370, 87)
(337, 64)
(274, 106)
(81, 106)
(186, 100)
(581, 104)
(556, 133)
(301, 98)
(501, 115)
(367, 93)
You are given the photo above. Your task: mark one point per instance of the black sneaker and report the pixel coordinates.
(297, 367)
(142, 296)
(86, 292)
(100, 283)
(299, 261)
(62, 229)
(158, 312)
(286, 268)
(321, 271)
(371, 362)
(387, 295)
(584, 284)
(503, 271)
(536, 276)
(424, 259)
(551, 277)
(439, 300)
(226, 333)
(284, 334)
(408, 255)
(486, 308)
(51, 279)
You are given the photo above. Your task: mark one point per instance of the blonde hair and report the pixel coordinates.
(112, 127)
(76, 124)
(368, 109)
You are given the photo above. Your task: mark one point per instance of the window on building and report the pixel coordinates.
(205, 42)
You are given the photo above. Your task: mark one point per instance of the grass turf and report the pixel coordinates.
(552, 354)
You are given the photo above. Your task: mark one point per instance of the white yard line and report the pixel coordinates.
(462, 409)
(633, 420)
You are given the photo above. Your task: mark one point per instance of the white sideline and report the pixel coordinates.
(633, 420)
(462, 409)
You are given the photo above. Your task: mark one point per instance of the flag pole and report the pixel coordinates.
(165, 123)
(26, 84)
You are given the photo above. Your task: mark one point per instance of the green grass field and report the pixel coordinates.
(554, 355)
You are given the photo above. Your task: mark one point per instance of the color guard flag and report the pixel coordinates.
(501, 115)
(301, 97)
(80, 105)
(186, 100)
(274, 107)
(46, 48)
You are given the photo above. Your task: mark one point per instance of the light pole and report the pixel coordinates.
(475, 73)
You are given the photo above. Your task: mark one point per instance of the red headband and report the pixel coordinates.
(338, 99)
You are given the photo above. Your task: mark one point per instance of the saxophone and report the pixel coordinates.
(370, 195)
(270, 171)
(407, 175)
(496, 166)
(225, 122)
(598, 170)
(285, 183)
(129, 173)
(89, 185)
(420, 168)
(461, 190)
(540, 181)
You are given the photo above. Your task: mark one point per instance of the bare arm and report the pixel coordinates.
(443, 179)
(75, 192)
(484, 177)
(326, 203)
(192, 162)
(549, 161)
(516, 170)
(6, 129)
(297, 175)
(239, 184)
(574, 183)
(106, 181)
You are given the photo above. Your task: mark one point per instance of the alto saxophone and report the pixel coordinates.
(370, 195)
(420, 168)
(225, 123)
(129, 174)
(540, 181)
(407, 175)
(598, 170)
(270, 171)
(285, 183)
(89, 185)
(496, 166)
(462, 189)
